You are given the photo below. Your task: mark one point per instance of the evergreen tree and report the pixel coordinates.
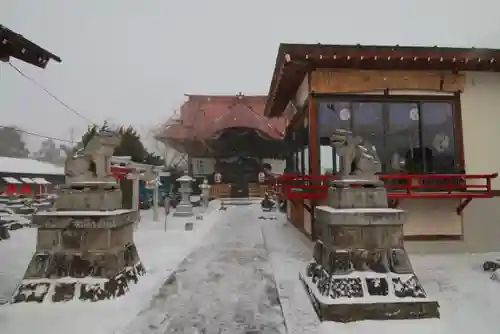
(12, 143)
(154, 159)
(130, 145)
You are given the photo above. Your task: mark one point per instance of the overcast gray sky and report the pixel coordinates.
(131, 61)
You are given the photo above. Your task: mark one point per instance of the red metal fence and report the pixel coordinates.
(399, 186)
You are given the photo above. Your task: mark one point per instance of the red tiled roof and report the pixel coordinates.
(202, 116)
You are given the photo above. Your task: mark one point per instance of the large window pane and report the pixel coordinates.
(326, 159)
(438, 137)
(368, 122)
(414, 136)
(333, 116)
(402, 138)
(367, 118)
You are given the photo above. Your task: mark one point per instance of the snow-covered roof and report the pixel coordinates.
(11, 180)
(40, 180)
(27, 180)
(28, 166)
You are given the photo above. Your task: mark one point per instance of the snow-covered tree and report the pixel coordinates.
(50, 152)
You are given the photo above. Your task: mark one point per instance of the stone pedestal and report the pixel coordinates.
(4, 230)
(85, 250)
(360, 269)
(184, 208)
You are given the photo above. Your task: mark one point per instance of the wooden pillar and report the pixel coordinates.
(314, 148)
(314, 145)
(190, 164)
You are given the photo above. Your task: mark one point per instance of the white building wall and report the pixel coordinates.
(481, 123)
(480, 221)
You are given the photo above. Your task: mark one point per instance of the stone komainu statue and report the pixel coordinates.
(357, 156)
(93, 161)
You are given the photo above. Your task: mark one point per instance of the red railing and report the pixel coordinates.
(399, 186)
(439, 185)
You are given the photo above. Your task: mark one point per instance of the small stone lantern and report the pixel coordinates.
(184, 208)
(262, 177)
(205, 192)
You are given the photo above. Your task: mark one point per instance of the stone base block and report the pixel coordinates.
(92, 199)
(98, 264)
(84, 219)
(368, 296)
(87, 180)
(359, 216)
(82, 275)
(183, 210)
(71, 288)
(345, 198)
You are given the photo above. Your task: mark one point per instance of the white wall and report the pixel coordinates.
(480, 221)
(481, 123)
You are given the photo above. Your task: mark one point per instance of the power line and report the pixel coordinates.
(37, 134)
(76, 112)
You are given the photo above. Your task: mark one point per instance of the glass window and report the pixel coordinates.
(368, 118)
(368, 122)
(333, 116)
(306, 161)
(326, 159)
(409, 137)
(438, 137)
(402, 138)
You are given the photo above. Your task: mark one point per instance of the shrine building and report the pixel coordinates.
(227, 139)
(430, 113)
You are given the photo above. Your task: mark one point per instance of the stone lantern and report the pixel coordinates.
(262, 177)
(205, 192)
(184, 208)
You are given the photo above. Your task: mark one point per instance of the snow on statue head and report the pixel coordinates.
(92, 163)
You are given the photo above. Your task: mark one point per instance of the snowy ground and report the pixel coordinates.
(469, 299)
(161, 253)
(228, 278)
(225, 287)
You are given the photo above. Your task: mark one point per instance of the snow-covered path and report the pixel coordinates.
(240, 276)
(225, 286)
(228, 283)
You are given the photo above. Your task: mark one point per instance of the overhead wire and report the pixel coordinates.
(37, 134)
(74, 111)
